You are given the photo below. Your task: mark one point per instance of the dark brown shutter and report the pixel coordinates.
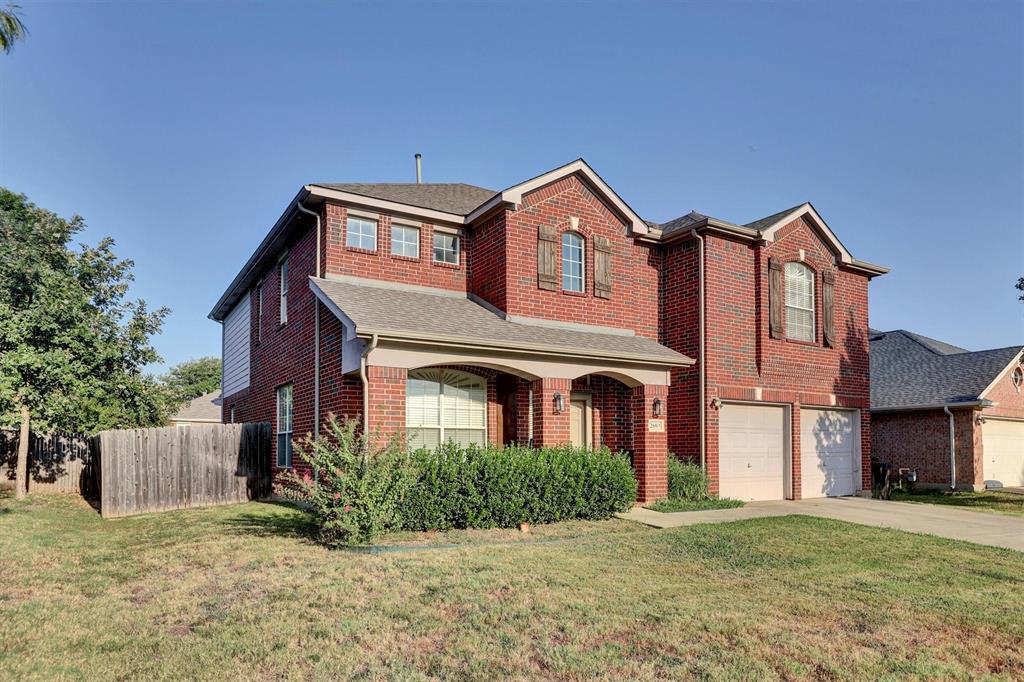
(828, 296)
(547, 257)
(602, 267)
(775, 295)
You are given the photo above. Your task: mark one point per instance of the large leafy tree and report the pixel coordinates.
(12, 28)
(191, 379)
(72, 347)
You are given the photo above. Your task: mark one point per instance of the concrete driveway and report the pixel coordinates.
(997, 530)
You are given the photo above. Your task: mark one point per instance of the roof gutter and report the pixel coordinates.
(952, 449)
(476, 344)
(933, 406)
(216, 314)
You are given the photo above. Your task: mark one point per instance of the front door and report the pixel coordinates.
(578, 426)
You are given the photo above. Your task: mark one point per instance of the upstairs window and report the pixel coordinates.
(284, 426)
(446, 248)
(284, 291)
(361, 233)
(799, 302)
(405, 241)
(573, 265)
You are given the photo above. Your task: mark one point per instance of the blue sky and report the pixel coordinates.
(183, 129)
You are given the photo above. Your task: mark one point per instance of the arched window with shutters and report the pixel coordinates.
(573, 261)
(800, 302)
(443, 404)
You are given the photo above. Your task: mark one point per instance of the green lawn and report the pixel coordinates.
(987, 500)
(241, 592)
(669, 506)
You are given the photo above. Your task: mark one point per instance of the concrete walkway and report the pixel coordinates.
(997, 530)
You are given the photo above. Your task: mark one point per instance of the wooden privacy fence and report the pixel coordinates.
(58, 463)
(177, 467)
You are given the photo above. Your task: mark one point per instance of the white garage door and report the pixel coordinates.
(751, 452)
(829, 456)
(1002, 442)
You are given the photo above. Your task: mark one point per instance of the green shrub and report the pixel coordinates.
(686, 480)
(359, 490)
(489, 487)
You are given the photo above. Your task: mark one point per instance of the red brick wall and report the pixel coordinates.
(380, 264)
(634, 301)
(920, 441)
(486, 253)
(285, 353)
(1010, 400)
(741, 356)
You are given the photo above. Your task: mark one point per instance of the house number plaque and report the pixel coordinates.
(656, 425)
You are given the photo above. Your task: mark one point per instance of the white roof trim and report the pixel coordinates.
(384, 205)
(999, 377)
(808, 210)
(514, 195)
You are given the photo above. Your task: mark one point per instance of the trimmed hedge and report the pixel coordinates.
(364, 491)
(488, 487)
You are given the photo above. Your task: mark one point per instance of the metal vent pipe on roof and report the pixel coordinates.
(419, 169)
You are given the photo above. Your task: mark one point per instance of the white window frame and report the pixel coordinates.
(400, 229)
(259, 312)
(363, 234)
(453, 250)
(445, 378)
(795, 271)
(570, 282)
(283, 302)
(285, 425)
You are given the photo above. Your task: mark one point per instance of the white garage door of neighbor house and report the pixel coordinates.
(828, 453)
(1002, 443)
(751, 452)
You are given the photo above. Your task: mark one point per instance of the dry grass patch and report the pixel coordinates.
(241, 591)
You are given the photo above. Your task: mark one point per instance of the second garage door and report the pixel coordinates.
(1003, 448)
(751, 452)
(828, 453)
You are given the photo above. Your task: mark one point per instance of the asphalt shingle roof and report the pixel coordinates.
(768, 221)
(455, 197)
(452, 317)
(908, 369)
(205, 407)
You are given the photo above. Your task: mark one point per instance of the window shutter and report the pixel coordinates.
(602, 268)
(547, 257)
(775, 300)
(828, 295)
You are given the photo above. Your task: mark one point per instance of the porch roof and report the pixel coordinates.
(424, 315)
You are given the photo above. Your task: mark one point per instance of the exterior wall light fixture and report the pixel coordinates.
(658, 407)
(559, 400)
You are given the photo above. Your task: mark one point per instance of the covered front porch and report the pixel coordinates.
(483, 379)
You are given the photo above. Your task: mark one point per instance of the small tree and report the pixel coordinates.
(357, 491)
(72, 348)
(190, 379)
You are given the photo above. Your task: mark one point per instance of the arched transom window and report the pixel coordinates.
(442, 405)
(799, 302)
(573, 262)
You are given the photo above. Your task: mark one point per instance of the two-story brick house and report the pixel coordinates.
(550, 312)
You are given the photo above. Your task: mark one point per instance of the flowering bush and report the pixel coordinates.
(356, 491)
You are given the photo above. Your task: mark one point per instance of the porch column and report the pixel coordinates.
(386, 389)
(550, 427)
(650, 442)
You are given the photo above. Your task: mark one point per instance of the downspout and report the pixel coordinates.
(952, 449)
(366, 384)
(316, 329)
(700, 327)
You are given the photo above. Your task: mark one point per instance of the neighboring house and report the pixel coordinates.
(202, 410)
(928, 397)
(550, 312)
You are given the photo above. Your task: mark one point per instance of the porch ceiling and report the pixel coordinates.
(447, 318)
